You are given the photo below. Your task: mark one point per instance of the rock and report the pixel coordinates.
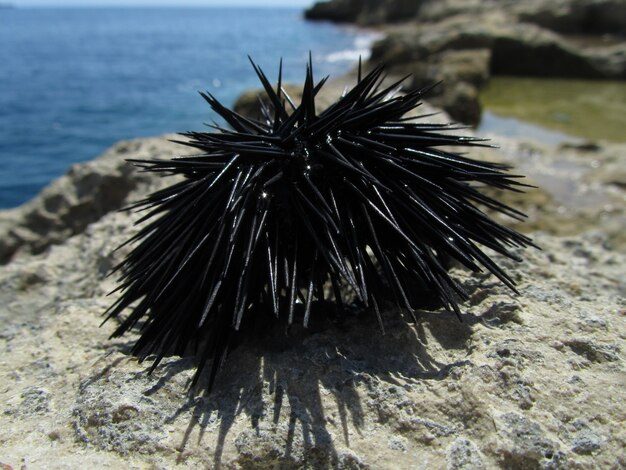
(86, 193)
(607, 16)
(338, 11)
(577, 188)
(530, 381)
(461, 73)
(466, 42)
(586, 443)
(524, 444)
(576, 16)
(249, 102)
(343, 11)
(460, 100)
(364, 12)
(562, 16)
(465, 50)
(559, 16)
(122, 417)
(32, 401)
(464, 455)
(516, 49)
(528, 51)
(333, 398)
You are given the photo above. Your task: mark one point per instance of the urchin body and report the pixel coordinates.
(272, 212)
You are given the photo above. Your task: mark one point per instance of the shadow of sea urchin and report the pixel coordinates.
(270, 211)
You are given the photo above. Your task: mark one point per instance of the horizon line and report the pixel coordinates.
(139, 5)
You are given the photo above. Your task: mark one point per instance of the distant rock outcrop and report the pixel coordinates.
(564, 38)
(562, 16)
(365, 12)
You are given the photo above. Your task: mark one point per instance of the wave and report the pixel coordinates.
(361, 47)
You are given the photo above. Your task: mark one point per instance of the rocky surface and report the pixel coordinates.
(535, 380)
(516, 48)
(463, 42)
(563, 16)
(87, 192)
(580, 187)
(364, 12)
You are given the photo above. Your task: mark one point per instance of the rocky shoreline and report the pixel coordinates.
(464, 43)
(529, 381)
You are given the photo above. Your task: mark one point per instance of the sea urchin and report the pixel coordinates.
(272, 211)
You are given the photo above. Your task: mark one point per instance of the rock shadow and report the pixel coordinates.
(302, 391)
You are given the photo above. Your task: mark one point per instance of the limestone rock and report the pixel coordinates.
(562, 16)
(364, 12)
(250, 102)
(460, 74)
(516, 49)
(531, 381)
(86, 193)
(464, 42)
(576, 16)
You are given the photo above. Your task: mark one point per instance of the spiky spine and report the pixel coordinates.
(273, 210)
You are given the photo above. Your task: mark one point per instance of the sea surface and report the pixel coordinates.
(74, 81)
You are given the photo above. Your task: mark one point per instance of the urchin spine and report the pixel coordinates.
(273, 210)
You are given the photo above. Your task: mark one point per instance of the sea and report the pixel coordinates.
(74, 81)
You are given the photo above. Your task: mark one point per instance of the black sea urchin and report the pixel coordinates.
(271, 211)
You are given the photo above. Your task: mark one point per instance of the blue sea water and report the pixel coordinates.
(74, 81)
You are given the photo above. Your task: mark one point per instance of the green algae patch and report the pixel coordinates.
(591, 109)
